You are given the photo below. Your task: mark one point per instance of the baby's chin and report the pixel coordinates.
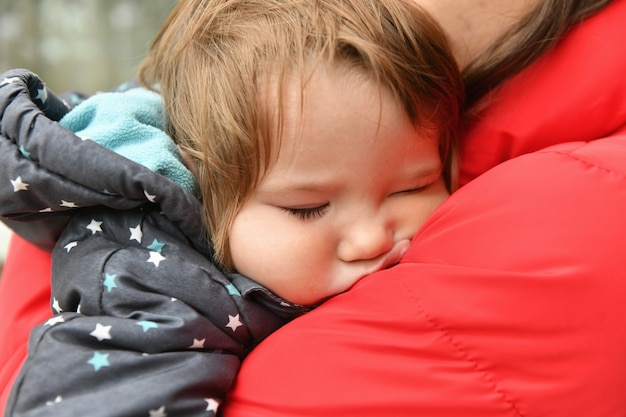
(325, 285)
(313, 297)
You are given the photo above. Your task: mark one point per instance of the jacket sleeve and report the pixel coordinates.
(36, 149)
(146, 326)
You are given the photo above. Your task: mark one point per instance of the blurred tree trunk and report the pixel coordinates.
(84, 45)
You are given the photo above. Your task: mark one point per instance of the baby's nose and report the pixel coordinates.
(364, 240)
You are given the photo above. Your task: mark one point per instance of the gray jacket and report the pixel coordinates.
(144, 324)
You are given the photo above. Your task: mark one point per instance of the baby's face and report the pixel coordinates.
(352, 184)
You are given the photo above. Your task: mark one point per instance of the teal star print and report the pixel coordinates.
(99, 360)
(24, 152)
(147, 325)
(42, 94)
(109, 281)
(156, 246)
(232, 290)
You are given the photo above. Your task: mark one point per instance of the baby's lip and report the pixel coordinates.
(394, 256)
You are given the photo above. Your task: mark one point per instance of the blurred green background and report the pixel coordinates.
(81, 45)
(84, 45)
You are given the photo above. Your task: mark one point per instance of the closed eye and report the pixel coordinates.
(414, 190)
(307, 213)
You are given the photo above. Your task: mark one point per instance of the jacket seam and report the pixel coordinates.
(463, 353)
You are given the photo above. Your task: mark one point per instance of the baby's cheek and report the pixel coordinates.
(305, 270)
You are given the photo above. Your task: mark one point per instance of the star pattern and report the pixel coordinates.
(156, 246)
(136, 233)
(24, 152)
(198, 344)
(19, 185)
(101, 332)
(54, 320)
(68, 204)
(7, 81)
(42, 94)
(233, 322)
(160, 412)
(94, 226)
(147, 325)
(232, 290)
(151, 197)
(70, 246)
(58, 399)
(155, 258)
(212, 404)
(99, 361)
(109, 281)
(55, 305)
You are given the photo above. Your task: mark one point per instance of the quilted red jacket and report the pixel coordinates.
(510, 301)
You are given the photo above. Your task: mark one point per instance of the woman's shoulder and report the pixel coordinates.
(575, 92)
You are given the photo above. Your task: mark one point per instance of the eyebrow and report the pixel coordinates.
(304, 186)
(425, 171)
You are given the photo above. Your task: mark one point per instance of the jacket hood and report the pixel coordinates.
(48, 172)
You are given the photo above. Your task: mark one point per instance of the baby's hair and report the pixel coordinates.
(213, 61)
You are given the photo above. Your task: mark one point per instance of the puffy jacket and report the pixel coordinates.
(144, 322)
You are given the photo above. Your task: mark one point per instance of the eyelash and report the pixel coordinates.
(414, 190)
(307, 213)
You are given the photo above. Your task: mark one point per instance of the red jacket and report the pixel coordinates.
(511, 300)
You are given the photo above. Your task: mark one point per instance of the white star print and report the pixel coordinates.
(151, 198)
(156, 258)
(136, 233)
(101, 332)
(11, 80)
(56, 306)
(94, 226)
(57, 400)
(46, 210)
(19, 185)
(70, 246)
(212, 404)
(68, 204)
(160, 412)
(54, 320)
(233, 322)
(197, 344)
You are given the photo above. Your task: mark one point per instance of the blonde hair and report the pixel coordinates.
(211, 57)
